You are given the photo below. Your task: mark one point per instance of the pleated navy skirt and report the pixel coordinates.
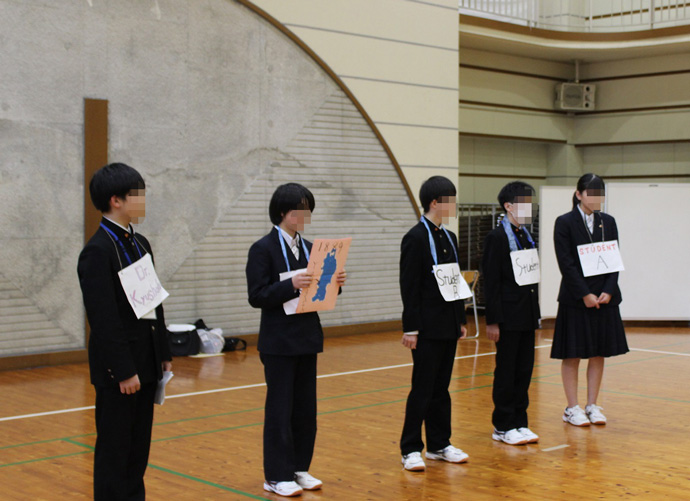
(588, 332)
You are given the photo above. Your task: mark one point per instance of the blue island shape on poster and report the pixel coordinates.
(330, 263)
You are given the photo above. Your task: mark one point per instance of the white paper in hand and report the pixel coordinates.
(160, 389)
(290, 307)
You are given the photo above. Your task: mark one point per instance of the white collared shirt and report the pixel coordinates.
(130, 229)
(589, 219)
(291, 241)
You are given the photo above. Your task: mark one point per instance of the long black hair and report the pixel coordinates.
(587, 182)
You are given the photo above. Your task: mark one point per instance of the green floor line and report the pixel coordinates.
(249, 425)
(206, 482)
(45, 458)
(486, 374)
(69, 441)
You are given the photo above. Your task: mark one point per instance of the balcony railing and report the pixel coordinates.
(583, 15)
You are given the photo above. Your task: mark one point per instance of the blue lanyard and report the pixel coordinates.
(282, 246)
(432, 244)
(112, 234)
(511, 234)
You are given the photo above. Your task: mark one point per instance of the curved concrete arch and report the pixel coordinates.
(290, 34)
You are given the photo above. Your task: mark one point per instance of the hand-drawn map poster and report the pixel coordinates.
(327, 259)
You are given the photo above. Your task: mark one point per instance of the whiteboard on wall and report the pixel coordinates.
(654, 235)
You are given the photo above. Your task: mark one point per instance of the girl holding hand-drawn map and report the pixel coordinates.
(588, 323)
(289, 337)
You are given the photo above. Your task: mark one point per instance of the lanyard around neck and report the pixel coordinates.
(432, 244)
(590, 234)
(282, 246)
(124, 251)
(507, 226)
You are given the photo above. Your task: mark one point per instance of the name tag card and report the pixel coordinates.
(599, 258)
(142, 287)
(450, 282)
(526, 266)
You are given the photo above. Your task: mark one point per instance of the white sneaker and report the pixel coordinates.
(575, 416)
(449, 453)
(594, 414)
(532, 438)
(510, 437)
(287, 489)
(307, 482)
(413, 461)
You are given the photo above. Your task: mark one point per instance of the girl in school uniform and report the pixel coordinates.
(288, 344)
(588, 323)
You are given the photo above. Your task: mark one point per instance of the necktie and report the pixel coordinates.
(294, 246)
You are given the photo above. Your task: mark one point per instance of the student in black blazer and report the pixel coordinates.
(431, 326)
(512, 315)
(126, 355)
(588, 323)
(288, 344)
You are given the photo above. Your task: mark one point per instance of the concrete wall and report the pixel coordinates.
(215, 107)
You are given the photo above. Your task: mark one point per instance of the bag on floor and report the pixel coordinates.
(212, 340)
(183, 340)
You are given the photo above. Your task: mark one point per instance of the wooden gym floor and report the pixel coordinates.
(207, 436)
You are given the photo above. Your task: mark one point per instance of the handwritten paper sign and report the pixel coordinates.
(326, 260)
(526, 266)
(450, 282)
(599, 258)
(142, 287)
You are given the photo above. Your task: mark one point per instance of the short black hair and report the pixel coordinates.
(113, 179)
(513, 190)
(588, 182)
(435, 188)
(287, 197)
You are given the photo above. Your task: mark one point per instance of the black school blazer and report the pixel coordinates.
(570, 231)
(280, 334)
(515, 307)
(424, 308)
(120, 345)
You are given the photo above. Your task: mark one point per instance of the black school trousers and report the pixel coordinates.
(429, 401)
(123, 441)
(290, 415)
(512, 376)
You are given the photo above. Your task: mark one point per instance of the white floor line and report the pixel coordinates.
(562, 446)
(244, 387)
(662, 352)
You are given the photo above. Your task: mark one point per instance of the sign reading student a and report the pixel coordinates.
(599, 258)
(142, 287)
(450, 282)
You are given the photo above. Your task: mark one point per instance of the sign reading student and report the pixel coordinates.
(599, 258)
(526, 266)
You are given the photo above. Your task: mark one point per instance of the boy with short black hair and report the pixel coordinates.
(431, 326)
(512, 314)
(127, 355)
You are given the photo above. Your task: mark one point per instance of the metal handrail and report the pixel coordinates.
(583, 15)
